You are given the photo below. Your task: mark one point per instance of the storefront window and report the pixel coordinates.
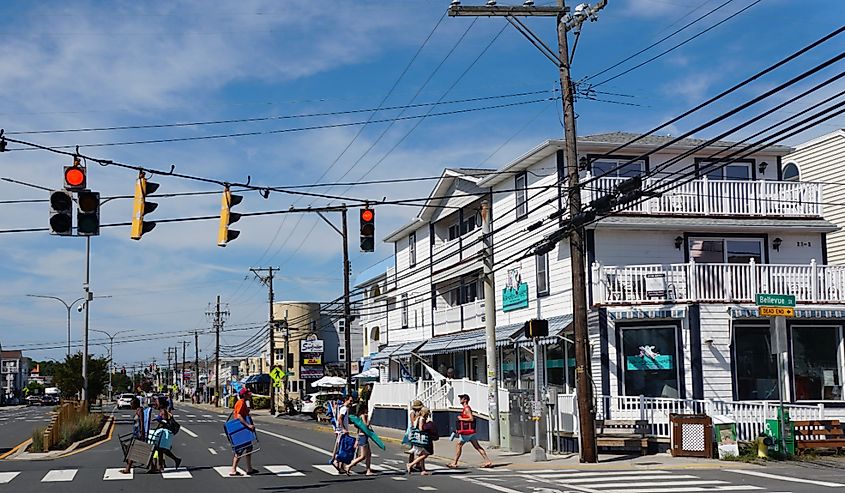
(817, 362)
(650, 361)
(755, 366)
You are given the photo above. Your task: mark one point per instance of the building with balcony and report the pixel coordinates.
(14, 372)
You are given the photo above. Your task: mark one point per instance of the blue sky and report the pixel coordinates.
(71, 65)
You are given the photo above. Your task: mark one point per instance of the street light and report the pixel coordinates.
(68, 306)
(111, 352)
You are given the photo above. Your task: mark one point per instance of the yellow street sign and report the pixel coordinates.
(277, 374)
(777, 311)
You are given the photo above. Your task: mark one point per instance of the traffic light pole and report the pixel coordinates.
(197, 364)
(88, 297)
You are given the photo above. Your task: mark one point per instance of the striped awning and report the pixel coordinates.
(558, 326)
(749, 312)
(468, 340)
(398, 350)
(646, 313)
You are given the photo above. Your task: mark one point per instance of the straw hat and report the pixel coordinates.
(417, 405)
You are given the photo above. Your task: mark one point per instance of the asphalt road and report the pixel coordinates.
(17, 423)
(292, 456)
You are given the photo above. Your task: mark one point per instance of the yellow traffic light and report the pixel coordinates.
(227, 217)
(140, 207)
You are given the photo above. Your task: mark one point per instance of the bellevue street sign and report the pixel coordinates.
(775, 300)
(777, 311)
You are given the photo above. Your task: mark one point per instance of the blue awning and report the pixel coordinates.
(260, 378)
(398, 350)
(468, 340)
(748, 312)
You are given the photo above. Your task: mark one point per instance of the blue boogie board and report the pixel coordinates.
(240, 437)
(346, 449)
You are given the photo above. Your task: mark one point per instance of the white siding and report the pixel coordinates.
(716, 357)
(633, 247)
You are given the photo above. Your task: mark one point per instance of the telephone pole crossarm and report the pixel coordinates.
(505, 11)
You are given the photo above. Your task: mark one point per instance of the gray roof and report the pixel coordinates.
(719, 223)
(473, 171)
(656, 140)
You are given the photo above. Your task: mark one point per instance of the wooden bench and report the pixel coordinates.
(637, 427)
(819, 434)
(627, 435)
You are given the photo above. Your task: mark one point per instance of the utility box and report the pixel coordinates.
(724, 429)
(504, 431)
(773, 430)
(691, 435)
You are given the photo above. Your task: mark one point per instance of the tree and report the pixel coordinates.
(68, 375)
(47, 367)
(121, 383)
(34, 388)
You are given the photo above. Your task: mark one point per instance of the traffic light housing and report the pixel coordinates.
(367, 232)
(75, 177)
(140, 207)
(227, 217)
(537, 328)
(88, 213)
(61, 218)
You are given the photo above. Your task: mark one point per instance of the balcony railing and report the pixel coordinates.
(456, 318)
(734, 283)
(706, 197)
(458, 248)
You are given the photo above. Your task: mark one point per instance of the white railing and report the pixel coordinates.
(708, 197)
(433, 393)
(393, 394)
(695, 282)
(477, 393)
(751, 416)
(454, 250)
(437, 396)
(456, 318)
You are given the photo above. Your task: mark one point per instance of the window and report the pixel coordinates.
(650, 361)
(469, 222)
(755, 366)
(817, 362)
(618, 168)
(521, 190)
(542, 274)
(454, 231)
(278, 356)
(341, 354)
(404, 311)
(412, 249)
(718, 170)
(791, 173)
(724, 250)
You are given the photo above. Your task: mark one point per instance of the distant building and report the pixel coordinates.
(14, 372)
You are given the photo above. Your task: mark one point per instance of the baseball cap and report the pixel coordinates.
(244, 392)
(417, 405)
(463, 396)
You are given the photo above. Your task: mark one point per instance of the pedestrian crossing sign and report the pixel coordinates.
(277, 374)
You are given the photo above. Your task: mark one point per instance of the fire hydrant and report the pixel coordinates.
(763, 443)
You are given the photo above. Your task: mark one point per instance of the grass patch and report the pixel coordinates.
(38, 439)
(79, 429)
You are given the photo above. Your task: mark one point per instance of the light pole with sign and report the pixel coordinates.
(777, 307)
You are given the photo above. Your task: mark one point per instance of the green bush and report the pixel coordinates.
(230, 402)
(38, 439)
(260, 402)
(79, 429)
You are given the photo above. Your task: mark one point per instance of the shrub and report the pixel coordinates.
(38, 439)
(260, 402)
(79, 429)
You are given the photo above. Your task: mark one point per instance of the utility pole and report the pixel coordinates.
(268, 281)
(88, 296)
(182, 373)
(285, 364)
(565, 23)
(197, 364)
(490, 325)
(169, 369)
(347, 340)
(218, 317)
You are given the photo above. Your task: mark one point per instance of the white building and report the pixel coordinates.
(14, 372)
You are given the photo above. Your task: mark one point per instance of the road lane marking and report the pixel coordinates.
(5, 477)
(189, 432)
(170, 473)
(428, 488)
(494, 487)
(190, 415)
(663, 484)
(787, 478)
(212, 451)
(114, 473)
(576, 474)
(627, 477)
(223, 471)
(59, 475)
(207, 416)
(293, 440)
(688, 489)
(284, 471)
(330, 470)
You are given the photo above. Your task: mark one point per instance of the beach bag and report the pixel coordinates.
(419, 438)
(346, 449)
(431, 429)
(465, 427)
(173, 426)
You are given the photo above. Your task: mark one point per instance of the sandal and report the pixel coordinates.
(252, 471)
(452, 466)
(488, 465)
(234, 474)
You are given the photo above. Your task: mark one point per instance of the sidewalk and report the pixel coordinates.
(444, 450)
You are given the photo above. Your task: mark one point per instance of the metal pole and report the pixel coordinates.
(285, 364)
(780, 330)
(68, 328)
(217, 354)
(272, 344)
(111, 363)
(88, 297)
(538, 453)
(346, 309)
(490, 326)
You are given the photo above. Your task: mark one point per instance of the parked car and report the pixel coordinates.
(315, 404)
(34, 400)
(49, 400)
(125, 401)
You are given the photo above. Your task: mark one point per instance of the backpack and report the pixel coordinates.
(431, 429)
(173, 426)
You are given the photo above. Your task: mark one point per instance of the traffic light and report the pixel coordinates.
(227, 217)
(61, 218)
(88, 213)
(75, 176)
(537, 328)
(140, 207)
(368, 230)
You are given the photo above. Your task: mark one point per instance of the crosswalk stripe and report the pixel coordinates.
(223, 471)
(59, 475)
(207, 416)
(189, 432)
(284, 471)
(662, 484)
(5, 477)
(190, 415)
(628, 477)
(428, 488)
(169, 473)
(786, 478)
(328, 469)
(689, 489)
(576, 474)
(212, 451)
(114, 473)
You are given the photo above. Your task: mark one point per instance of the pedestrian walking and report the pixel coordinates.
(365, 453)
(138, 430)
(466, 434)
(413, 414)
(341, 428)
(163, 435)
(421, 442)
(241, 412)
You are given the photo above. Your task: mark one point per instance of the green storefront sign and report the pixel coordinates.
(660, 362)
(514, 299)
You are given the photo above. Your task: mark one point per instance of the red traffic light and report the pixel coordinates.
(74, 177)
(367, 215)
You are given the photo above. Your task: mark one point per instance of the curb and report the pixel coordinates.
(75, 448)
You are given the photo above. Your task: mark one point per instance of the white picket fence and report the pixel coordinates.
(750, 416)
(437, 395)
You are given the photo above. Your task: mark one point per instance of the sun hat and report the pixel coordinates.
(417, 405)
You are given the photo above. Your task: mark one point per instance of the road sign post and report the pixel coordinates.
(778, 307)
